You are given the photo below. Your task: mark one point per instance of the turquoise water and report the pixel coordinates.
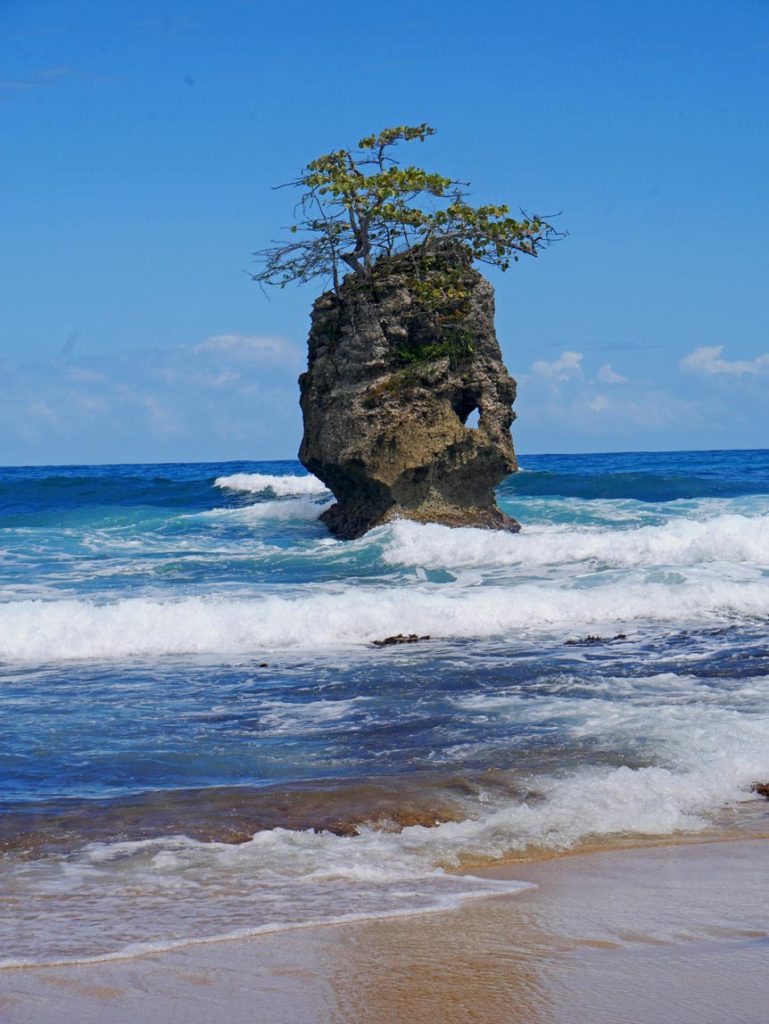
(186, 662)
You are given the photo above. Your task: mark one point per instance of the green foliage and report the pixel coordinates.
(359, 205)
(459, 350)
(441, 283)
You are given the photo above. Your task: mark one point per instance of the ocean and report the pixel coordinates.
(199, 737)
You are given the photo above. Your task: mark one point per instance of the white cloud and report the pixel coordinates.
(568, 364)
(231, 394)
(707, 359)
(248, 345)
(609, 376)
(598, 404)
(40, 410)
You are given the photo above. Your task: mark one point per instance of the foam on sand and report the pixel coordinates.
(126, 898)
(584, 946)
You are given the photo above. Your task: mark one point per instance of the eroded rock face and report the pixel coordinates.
(392, 379)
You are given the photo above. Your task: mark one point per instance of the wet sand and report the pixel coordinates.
(661, 935)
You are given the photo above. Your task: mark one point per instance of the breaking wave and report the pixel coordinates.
(723, 538)
(304, 508)
(64, 629)
(264, 483)
(196, 650)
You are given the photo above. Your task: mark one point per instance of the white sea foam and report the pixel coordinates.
(702, 742)
(280, 486)
(110, 899)
(723, 538)
(284, 717)
(304, 508)
(324, 617)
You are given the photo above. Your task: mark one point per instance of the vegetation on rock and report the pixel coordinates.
(360, 205)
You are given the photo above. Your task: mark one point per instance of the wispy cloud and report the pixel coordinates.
(249, 345)
(224, 396)
(599, 404)
(577, 403)
(610, 376)
(567, 365)
(622, 346)
(707, 359)
(48, 76)
(569, 368)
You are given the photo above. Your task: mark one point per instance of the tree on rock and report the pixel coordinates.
(402, 348)
(359, 205)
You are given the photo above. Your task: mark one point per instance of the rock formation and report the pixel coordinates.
(397, 363)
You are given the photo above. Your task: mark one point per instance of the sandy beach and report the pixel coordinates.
(662, 935)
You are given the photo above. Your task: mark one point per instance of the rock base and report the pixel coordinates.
(349, 523)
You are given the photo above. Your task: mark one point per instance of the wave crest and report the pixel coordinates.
(304, 508)
(280, 486)
(724, 538)
(57, 630)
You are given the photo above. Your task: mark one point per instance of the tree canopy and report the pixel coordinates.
(357, 205)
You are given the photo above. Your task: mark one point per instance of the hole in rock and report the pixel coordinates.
(465, 405)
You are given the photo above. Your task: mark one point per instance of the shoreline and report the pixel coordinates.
(599, 925)
(752, 824)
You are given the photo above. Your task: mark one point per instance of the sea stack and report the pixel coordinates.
(397, 365)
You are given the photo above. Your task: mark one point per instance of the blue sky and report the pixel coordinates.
(142, 141)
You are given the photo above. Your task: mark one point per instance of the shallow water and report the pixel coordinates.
(665, 934)
(186, 661)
